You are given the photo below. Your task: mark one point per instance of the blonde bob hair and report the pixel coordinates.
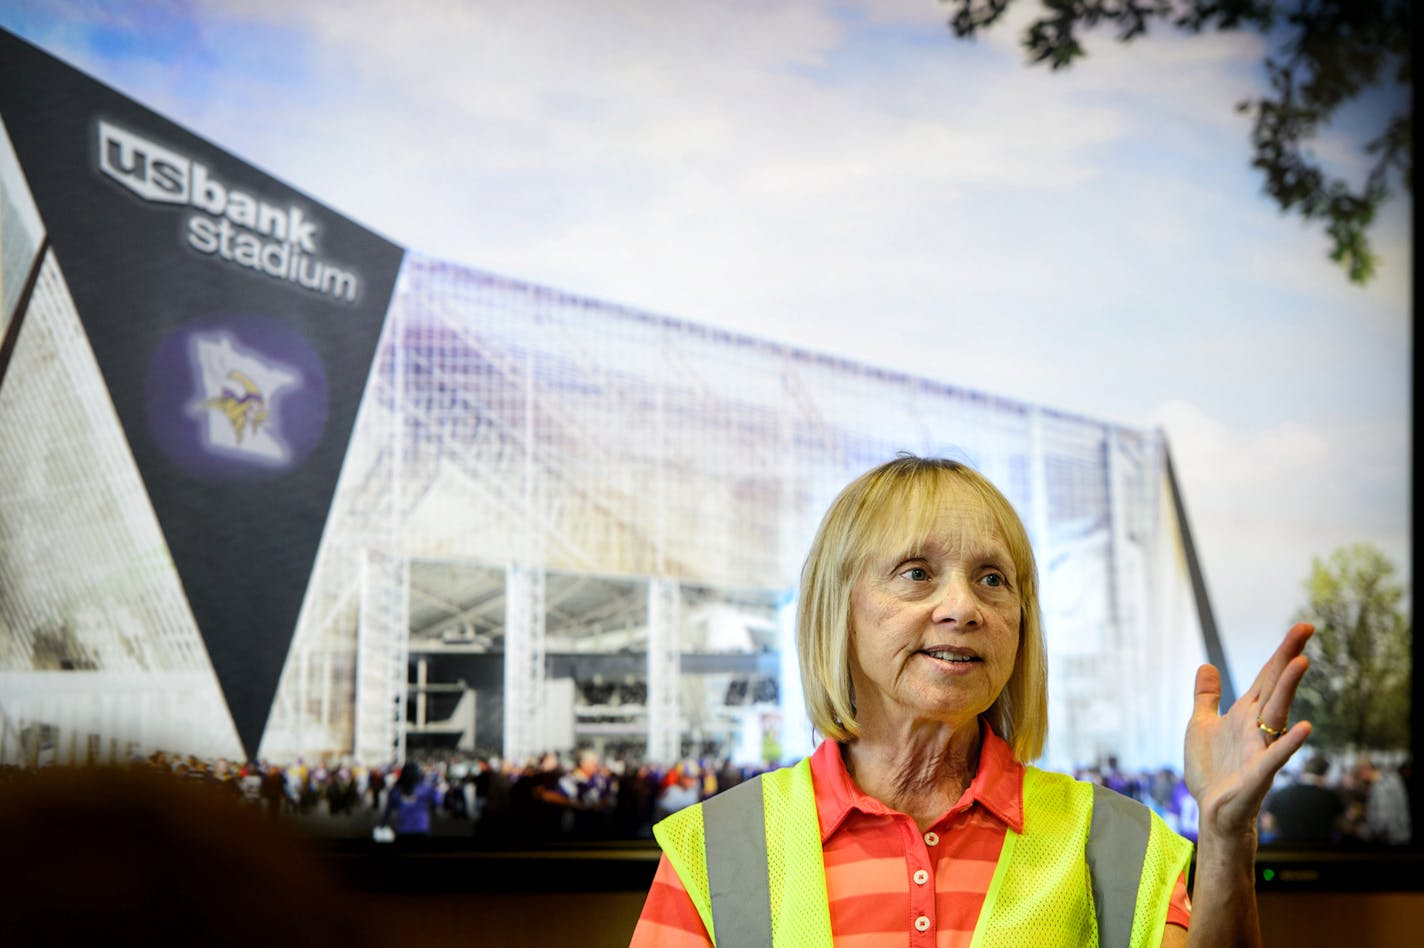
(895, 505)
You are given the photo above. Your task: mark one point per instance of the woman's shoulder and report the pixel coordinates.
(1060, 793)
(1055, 780)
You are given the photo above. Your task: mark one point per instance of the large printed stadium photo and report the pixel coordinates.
(272, 487)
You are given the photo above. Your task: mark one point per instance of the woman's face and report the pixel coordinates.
(935, 630)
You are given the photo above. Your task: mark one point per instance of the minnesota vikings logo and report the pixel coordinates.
(237, 399)
(245, 408)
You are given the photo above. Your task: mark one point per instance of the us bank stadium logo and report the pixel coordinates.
(236, 395)
(226, 223)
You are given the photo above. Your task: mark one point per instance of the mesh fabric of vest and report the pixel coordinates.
(1168, 856)
(681, 838)
(796, 873)
(1041, 894)
(795, 864)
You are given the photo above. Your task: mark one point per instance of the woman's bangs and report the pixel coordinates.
(900, 518)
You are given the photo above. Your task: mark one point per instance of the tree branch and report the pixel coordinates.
(1332, 52)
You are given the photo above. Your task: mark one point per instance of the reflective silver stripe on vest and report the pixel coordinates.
(1117, 847)
(734, 835)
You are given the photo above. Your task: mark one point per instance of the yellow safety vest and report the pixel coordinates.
(1092, 867)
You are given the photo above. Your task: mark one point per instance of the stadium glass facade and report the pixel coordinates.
(559, 523)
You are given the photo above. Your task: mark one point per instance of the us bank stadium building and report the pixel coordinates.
(559, 523)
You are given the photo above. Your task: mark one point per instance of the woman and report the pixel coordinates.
(917, 821)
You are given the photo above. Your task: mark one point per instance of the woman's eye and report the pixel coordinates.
(994, 579)
(916, 574)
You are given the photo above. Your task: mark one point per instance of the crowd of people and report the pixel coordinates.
(1321, 803)
(1331, 803)
(545, 798)
(553, 797)
(583, 796)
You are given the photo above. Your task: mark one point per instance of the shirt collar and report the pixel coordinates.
(997, 786)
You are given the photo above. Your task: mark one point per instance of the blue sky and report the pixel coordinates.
(850, 178)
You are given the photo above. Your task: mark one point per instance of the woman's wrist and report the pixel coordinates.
(1228, 859)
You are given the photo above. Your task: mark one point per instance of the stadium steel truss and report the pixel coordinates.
(559, 522)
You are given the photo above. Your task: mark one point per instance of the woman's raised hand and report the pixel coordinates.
(1232, 758)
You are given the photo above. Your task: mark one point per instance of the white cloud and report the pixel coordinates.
(1234, 467)
(1263, 502)
(569, 93)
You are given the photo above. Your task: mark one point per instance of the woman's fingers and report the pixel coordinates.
(1291, 646)
(1291, 741)
(1275, 707)
(1207, 691)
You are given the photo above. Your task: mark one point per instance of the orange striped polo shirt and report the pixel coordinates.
(882, 875)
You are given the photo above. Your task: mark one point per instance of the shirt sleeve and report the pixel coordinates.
(1179, 908)
(669, 918)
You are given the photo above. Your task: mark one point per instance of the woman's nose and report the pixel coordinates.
(957, 602)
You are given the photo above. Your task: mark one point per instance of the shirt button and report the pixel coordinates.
(922, 924)
(921, 877)
(931, 839)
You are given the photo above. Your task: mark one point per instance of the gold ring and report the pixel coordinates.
(1270, 731)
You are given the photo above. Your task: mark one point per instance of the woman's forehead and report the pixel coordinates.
(952, 516)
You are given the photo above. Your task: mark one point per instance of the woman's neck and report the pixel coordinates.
(919, 771)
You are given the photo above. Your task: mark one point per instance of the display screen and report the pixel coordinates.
(397, 549)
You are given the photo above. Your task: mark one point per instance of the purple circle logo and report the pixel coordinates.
(236, 396)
